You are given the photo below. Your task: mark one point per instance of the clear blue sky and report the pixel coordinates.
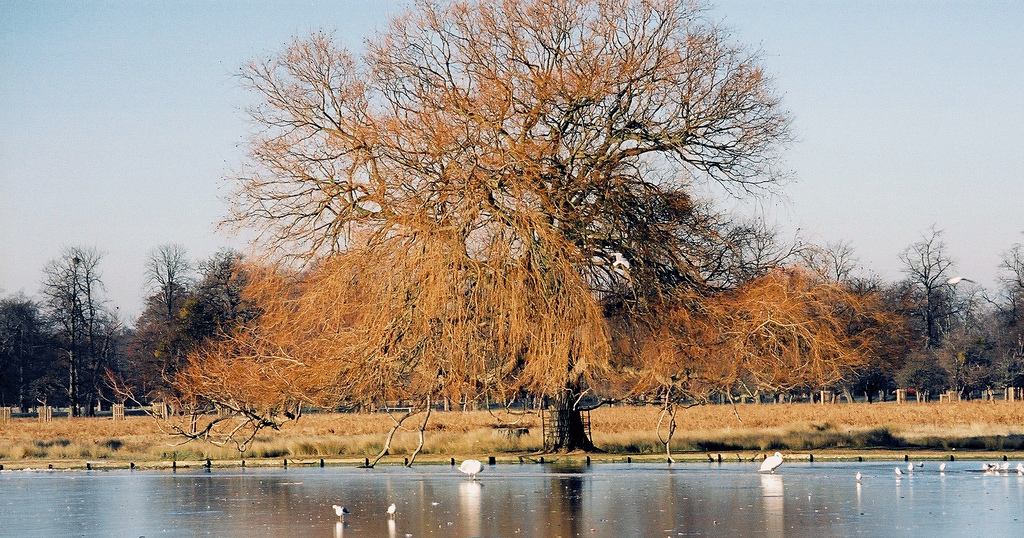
(119, 121)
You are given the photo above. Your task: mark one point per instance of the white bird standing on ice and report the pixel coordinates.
(471, 468)
(341, 511)
(391, 511)
(859, 476)
(899, 473)
(1020, 468)
(771, 463)
(942, 467)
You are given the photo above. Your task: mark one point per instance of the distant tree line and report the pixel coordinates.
(69, 348)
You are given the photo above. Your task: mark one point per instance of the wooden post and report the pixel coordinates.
(45, 413)
(901, 396)
(5, 415)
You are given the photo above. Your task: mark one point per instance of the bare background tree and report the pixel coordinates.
(85, 329)
(25, 352)
(928, 266)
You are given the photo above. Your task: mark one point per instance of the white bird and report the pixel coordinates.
(471, 468)
(1020, 468)
(910, 467)
(920, 464)
(771, 463)
(341, 511)
(859, 476)
(391, 510)
(620, 264)
(958, 279)
(899, 473)
(942, 467)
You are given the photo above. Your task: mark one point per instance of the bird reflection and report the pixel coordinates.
(470, 497)
(339, 529)
(772, 491)
(391, 528)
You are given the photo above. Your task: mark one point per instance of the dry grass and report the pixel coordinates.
(622, 430)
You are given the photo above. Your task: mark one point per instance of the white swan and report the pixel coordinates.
(771, 463)
(471, 468)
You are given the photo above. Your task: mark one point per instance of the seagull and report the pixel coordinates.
(771, 463)
(899, 473)
(859, 476)
(391, 511)
(341, 511)
(1020, 468)
(471, 468)
(910, 467)
(942, 467)
(958, 279)
(920, 464)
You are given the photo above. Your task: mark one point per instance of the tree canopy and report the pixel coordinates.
(473, 198)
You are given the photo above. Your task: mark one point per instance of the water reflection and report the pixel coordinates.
(566, 509)
(528, 500)
(470, 499)
(773, 500)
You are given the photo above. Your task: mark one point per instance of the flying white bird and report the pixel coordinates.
(341, 511)
(391, 510)
(471, 468)
(771, 463)
(958, 279)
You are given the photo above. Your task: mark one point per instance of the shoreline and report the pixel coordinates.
(834, 432)
(573, 461)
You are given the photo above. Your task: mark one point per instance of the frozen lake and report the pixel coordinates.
(729, 499)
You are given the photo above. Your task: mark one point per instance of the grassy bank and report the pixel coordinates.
(970, 429)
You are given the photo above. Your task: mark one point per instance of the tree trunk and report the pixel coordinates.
(568, 432)
(391, 434)
(669, 410)
(423, 428)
